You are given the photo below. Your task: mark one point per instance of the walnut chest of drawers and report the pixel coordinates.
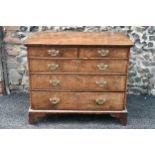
(78, 72)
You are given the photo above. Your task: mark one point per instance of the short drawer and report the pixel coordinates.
(115, 52)
(77, 101)
(78, 82)
(98, 66)
(52, 52)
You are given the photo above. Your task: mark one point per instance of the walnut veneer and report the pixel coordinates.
(78, 72)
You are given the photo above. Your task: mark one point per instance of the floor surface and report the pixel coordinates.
(14, 111)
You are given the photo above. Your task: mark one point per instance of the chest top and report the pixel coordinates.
(79, 38)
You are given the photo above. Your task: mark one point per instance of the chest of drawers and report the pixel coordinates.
(78, 72)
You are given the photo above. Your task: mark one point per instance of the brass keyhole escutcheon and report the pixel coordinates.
(78, 62)
(77, 95)
(77, 77)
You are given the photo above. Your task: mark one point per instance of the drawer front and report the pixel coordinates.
(98, 66)
(104, 52)
(78, 82)
(52, 52)
(77, 101)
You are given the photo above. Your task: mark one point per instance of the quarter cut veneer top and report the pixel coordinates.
(79, 38)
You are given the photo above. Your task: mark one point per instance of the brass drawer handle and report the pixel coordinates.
(101, 83)
(53, 67)
(53, 52)
(102, 66)
(54, 82)
(100, 101)
(103, 52)
(54, 100)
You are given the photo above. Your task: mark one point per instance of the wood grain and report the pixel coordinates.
(77, 101)
(114, 66)
(116, 52)
(79, 38)
(78, 82)
(43, 52)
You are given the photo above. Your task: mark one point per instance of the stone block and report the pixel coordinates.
(12, 28)
(13, 50)
(25, 80)
(14, 77)
(151, 30)
(12, 63)
(23, 28)
(34, 28)
(12, 40)
(152, 38)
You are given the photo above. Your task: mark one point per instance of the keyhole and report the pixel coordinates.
(77, 77)
(78, 62)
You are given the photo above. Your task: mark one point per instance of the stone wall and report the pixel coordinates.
(1, 40)
(142, 59)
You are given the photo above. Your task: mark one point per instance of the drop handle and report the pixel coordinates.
(101, 83)
(54, 82)
(53, 52)
(54, 100)
(103, 52)
(101, 101)
(53, 67)
(102, 66)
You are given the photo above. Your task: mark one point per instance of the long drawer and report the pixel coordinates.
(78, 82)
(78, 65)
(77, 101)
